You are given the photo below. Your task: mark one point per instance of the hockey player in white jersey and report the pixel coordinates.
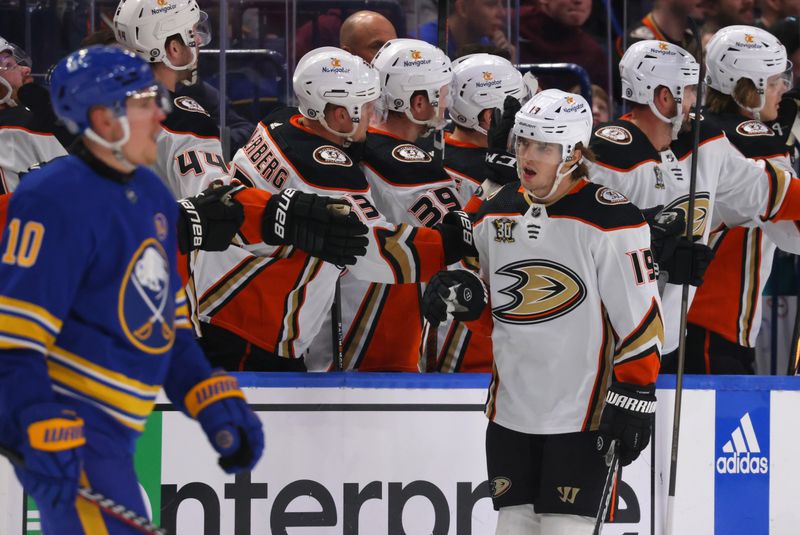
(647, 155)
(747, 76)
(261, 307)
(27, 132)
(557, 251)
(168, 35)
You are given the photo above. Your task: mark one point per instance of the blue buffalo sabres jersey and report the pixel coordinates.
(92, 310)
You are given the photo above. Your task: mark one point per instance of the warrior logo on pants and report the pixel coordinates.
(146, 308)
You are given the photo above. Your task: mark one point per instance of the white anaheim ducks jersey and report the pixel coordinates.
(739, 191)
(382, 324)
(277, 298)
(573, 300)
(189, 150)
(743, 256)
(23, 147)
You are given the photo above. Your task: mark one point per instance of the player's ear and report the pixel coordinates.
(101, 120)
(485, 118)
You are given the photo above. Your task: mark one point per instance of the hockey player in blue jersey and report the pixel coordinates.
(93, 317)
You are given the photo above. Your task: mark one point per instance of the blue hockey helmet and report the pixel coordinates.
(97, 76)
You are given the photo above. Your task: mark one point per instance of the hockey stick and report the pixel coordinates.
(676, 413)
(430, 337)
(336, 327)
(612, 460)
(105, 504)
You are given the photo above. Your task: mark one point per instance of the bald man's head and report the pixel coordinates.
(364, 32)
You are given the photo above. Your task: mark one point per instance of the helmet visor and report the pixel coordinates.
(13, 57)
(202, 30)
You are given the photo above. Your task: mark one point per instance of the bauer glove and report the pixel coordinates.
(501, 164)
(323, 227)
(457, 240)
(230, 425)
(210, 220)
(459, 294)
(52, 454)
(628, 417)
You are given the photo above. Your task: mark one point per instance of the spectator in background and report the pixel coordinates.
(364, 33)
(773, 11)
(721, 13)
(668, 22)
(788, 33)
(601, 104)
(552, 33)
(470, 22)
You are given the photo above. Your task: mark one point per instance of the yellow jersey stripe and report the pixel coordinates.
(15, 343)
(118, 379)
(103, 393)
(33, 311)
(137, 424)
(25, 328)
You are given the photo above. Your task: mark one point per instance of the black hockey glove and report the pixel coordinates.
(210, 220)
(501, 124)
(666, 228)
(321, 226)
(456, 230)
(458, 294)
(686, 262)
(628, 417)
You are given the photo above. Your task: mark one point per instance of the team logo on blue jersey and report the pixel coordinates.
(146, 306)
(160, 222)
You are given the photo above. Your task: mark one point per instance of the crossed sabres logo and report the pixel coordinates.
(570, 101)
(487, 76)
(748, 38)
(416, 54)
(336, 62)
(663, 46)
(146, 309)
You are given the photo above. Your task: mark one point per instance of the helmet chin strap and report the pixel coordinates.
(348, 136)
(114, 146)
(676, 121)
(8, 100)
(191, 66)
(560, 175)
(755, 111)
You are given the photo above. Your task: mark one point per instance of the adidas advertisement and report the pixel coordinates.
(742, 451)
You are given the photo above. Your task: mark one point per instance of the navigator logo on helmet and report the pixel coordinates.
(329, 75)
(647, 65)
(144, 26)
(482, 81)
(406, 66)
(737, 52)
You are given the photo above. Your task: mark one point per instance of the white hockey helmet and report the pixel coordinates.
(649, 64)
(15, 57)
(555, 116)
(144, 26)
(330, 75)
(482, 81)
(409, 65)
(737, 52)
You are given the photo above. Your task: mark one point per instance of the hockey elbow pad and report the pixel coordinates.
(456, 230)
(459, 294)
(52, 453)
(234, 431)
(210, 220)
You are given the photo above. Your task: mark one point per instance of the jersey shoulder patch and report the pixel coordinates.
(183, 120)
(642, 33)
(753, 128)
(189, 104)
(615, 134)
(410, 153)
(400, 162)
(621, 145)
(330, 155)
(752, 138)
(598, 206)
